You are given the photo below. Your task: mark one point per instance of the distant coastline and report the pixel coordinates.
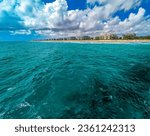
(103, 38)
(98, 41)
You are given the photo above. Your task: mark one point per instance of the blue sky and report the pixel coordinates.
(72, 4)
(37, 19)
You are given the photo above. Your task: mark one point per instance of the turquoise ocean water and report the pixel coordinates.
(74, 80)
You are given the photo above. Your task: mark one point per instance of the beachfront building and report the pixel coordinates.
(85, 38)
(107, 36)
(72, 38)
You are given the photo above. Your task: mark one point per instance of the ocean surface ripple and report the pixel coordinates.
(74, 80)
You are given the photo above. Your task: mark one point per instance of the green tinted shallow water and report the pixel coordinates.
(74, 80)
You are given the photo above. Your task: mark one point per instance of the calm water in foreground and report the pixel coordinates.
(74, 80)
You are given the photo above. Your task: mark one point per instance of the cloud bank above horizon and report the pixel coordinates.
(53, 19)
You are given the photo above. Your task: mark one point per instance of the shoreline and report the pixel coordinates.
(97, 41)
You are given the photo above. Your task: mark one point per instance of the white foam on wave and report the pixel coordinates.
(9, 89)
(24, 104)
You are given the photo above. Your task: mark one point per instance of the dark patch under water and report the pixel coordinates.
(74, 80)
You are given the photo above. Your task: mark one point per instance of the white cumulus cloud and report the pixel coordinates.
(54, 19)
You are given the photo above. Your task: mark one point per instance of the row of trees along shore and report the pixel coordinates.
(133, 36)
